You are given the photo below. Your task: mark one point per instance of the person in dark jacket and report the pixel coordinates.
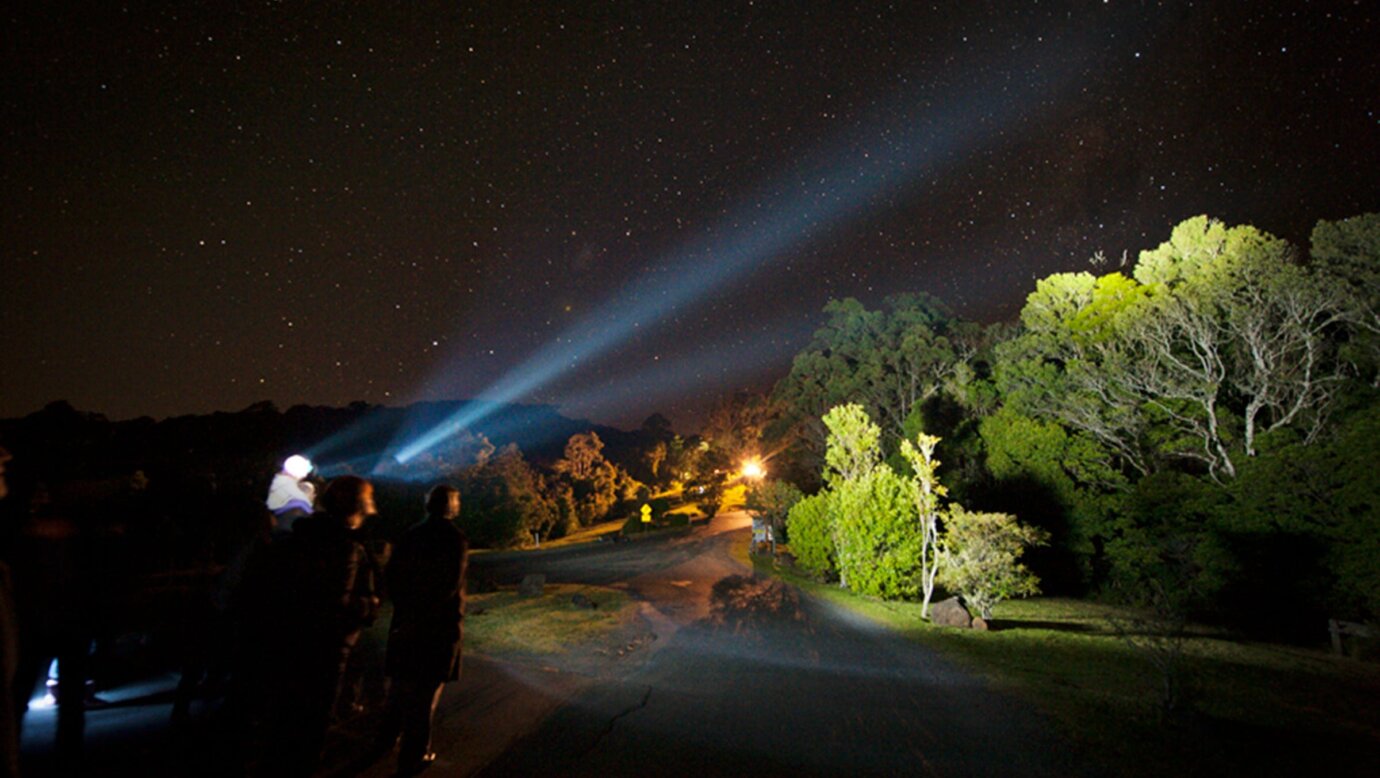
(317, 593)
(426, 579)
(9, 659)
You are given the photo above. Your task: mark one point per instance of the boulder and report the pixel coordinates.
(950, 613)
(980, 624)
(532, 585)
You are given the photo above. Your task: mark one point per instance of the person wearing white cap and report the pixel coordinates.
(291, 496)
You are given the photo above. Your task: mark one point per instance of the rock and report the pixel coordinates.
(532, 585)
(979, 624)
(584, 603)
(950, 613)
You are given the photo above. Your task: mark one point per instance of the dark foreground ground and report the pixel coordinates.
(735, 676)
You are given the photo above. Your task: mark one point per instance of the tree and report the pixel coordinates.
(1061, 479)
(891, 361)
(981, 557)
(1237, 324)
(925, 491)
(852, 453)
(657, 427)
(654, 457)
(1348, 252)
(853, 447)
(1067, 363)
(584, 454)
(683, 458)
(596, 484)
(1219, 336)
(735, 426)
(503, 500)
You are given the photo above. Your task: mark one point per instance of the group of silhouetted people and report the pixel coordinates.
(303, 602)
(294, 604)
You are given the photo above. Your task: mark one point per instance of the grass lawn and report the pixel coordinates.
(502, 623)
(1258, 709)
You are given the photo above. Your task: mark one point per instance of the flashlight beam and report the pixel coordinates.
(918, 145)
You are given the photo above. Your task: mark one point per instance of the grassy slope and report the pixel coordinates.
(1258, 709)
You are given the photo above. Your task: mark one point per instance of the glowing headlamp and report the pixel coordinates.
(297, 466)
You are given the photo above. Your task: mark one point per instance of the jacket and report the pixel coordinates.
(426, 578)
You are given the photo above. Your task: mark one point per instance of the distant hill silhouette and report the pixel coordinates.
(61, 443)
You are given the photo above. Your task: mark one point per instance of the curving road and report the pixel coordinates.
(750, 678)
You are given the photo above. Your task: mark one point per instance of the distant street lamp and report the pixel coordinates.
(753, 469)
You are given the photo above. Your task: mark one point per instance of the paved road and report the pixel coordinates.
(748, 678)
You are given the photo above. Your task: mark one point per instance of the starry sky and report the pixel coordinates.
(619, 209)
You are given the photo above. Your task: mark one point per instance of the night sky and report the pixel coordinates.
(620, 211)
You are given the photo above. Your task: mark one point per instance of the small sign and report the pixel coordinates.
(646, 514)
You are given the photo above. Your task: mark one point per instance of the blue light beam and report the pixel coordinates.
(918, 145)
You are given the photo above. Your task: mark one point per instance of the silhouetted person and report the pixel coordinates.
(366, 660)
(317, 596)
(9, 658)
(54, 593)
(209, 649)
(426, 578)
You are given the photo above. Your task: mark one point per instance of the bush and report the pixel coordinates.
(812, 540)
(981, 553)
(878, 536)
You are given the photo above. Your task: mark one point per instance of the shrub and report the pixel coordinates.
(981, 553)
(812, 540)
(877, 535)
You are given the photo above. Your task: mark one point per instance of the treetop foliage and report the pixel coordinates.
(1220, 355)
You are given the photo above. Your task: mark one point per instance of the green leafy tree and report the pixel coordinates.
(891, 361)
(982, 558)
(852, 453)
(925, 492)
(1059, 478)
(1219, 337)
(853, 448)
(1347, 251)
(1312, 511)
